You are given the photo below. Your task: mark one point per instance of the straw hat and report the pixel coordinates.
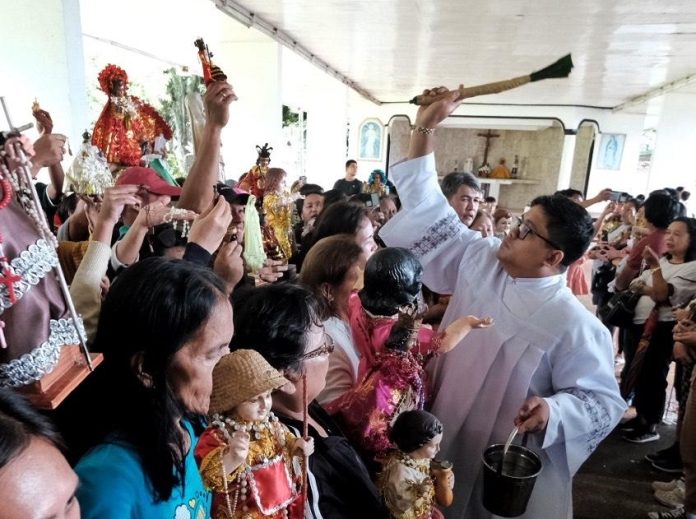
(240, 376)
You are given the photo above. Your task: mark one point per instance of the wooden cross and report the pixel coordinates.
(488, 136)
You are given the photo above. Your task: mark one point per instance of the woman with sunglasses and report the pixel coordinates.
(282, 322)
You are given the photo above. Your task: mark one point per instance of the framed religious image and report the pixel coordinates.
(370, 135)
(610, 150)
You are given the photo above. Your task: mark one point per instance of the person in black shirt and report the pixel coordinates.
(349, 185)
(49, 150)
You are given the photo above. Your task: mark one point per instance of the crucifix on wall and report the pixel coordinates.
(488, 136)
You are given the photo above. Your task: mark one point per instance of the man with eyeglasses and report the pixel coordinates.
(546, 366)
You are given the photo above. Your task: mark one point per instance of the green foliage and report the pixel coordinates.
(290, 118)
(173, 108)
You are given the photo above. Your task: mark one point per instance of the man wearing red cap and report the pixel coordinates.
(155, 194)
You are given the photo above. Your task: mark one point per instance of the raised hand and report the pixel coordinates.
(229, 264)
(159, 212)
(217, 100)
(13, 161)
(44, 122)
(429, 116)
(209, 228)
(114, 200)
(49, 150)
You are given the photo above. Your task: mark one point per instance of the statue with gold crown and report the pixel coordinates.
(127, 124)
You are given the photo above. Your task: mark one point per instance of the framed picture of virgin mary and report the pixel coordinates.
(610, 151)
(370, 135)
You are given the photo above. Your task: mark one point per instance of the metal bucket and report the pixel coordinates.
(507, 493)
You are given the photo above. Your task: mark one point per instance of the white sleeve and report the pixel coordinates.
(85, 288)
(427, 225)
(684, 283)
(116, 263)
(339, 378)
(586, 404)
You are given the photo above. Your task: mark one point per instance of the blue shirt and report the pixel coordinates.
(113, 485)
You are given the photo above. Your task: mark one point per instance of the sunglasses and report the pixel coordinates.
(327, 347)
(523, 230)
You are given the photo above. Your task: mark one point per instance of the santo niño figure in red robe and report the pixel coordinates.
(126, 122)
(255, 180)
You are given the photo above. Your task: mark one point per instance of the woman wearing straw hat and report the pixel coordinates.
(246, 456)
(282, 323)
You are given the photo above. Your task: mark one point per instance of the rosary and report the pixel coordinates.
(8, 277)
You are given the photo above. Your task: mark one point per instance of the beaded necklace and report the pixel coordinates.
(21, 183)
(246, 483)
(8, 277)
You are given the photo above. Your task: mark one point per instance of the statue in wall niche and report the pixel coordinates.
(484, 171)
(469, 165)
(514, 172)
(501, 170)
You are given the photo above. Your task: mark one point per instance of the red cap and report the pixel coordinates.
(149, 178)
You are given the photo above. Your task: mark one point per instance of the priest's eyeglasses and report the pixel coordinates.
(327, 347)
(523, 230)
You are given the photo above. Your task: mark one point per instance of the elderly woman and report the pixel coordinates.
(330, 271)
(163, 327)
(282, 322)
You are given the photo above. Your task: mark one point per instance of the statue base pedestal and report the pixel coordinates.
(54, 387)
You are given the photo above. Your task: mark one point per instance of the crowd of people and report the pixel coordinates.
(275, 351)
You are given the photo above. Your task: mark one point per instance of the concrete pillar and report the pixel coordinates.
(567, 156)
(44, 60)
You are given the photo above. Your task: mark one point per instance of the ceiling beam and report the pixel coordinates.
(663, 89)
(248, 18)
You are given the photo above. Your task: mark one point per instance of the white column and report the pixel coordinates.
(567, 156)
(75, 63)
(44, 60)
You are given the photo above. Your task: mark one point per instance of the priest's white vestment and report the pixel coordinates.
(543, 343)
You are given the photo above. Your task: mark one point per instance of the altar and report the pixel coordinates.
(532, 149)
(491, 186)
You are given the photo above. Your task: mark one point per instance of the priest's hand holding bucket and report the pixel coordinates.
(533, 416)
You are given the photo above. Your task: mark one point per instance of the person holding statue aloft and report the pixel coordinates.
(547, 365)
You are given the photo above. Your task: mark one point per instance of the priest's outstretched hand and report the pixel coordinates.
(533, 416)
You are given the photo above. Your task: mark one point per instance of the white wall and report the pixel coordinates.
(673, 159)
(325, 100)
(627, 178)
(253, 68)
